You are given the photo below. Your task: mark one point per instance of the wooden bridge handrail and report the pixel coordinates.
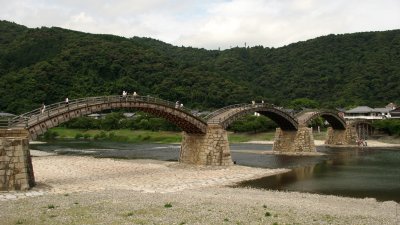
(56, 107)
(224, 109)
(242, 107)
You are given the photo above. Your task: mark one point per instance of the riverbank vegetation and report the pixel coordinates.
(145, 136)
(120, 135)
(143, 127)
(388, 126)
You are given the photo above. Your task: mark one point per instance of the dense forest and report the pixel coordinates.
(48, 64)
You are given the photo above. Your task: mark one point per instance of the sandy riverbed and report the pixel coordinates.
(86, 190)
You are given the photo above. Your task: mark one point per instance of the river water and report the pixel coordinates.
(352, 172)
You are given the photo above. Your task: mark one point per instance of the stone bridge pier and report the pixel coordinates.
(342, 137)
(16, 172)
(300, 140)
(211, 148)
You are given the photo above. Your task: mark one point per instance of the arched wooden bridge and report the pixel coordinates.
(38, 122)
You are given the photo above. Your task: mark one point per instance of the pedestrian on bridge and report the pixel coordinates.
(66, 101)
(43, 108)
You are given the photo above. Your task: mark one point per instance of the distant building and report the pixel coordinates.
(367, 113)
(395, 113)
(391, 106)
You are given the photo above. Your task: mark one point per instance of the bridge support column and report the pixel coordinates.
(209, 149)
(16, 172)
(341, 137)
(301, 140)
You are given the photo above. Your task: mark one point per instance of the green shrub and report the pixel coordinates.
(78, 136)
(389, 126)
(146, 138)
(118, 138)
(86, 136)
(102, 135)
(50, 135)
(111, 135)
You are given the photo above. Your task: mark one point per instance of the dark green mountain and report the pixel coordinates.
(49, 64)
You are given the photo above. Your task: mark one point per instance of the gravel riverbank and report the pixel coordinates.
(86, 190)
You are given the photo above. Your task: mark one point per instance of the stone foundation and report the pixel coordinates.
(341, 137)
(301, 140)
(209, 149)
(16, 172)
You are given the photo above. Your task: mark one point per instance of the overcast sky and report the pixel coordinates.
(209, 24)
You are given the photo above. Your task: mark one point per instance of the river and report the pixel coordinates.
(352, 172)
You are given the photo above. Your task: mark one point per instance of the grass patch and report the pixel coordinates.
(51, 206)
(267, 214)
(122, 135)
(244, 137)
(166, 137)
(168, 205)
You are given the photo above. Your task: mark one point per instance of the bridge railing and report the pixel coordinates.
(36, 114)
(4, 123)
(233, 109)
(333, 111)
(316, 112)
(224, 109)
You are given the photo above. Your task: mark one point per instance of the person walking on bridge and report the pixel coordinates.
(43, 108)
(66, 102)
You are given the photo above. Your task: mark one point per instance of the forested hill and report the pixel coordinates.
(48, 64)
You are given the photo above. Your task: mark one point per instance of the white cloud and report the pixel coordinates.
(209, 24)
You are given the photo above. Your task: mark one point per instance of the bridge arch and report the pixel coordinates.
(227, 115)
(337, 122)
(37, 122)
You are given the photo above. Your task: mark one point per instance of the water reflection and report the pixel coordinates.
(345, 172)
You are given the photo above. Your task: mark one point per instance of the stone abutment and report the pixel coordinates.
(341, 137)
(16, 172)
(211, 148)
(301, 140)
